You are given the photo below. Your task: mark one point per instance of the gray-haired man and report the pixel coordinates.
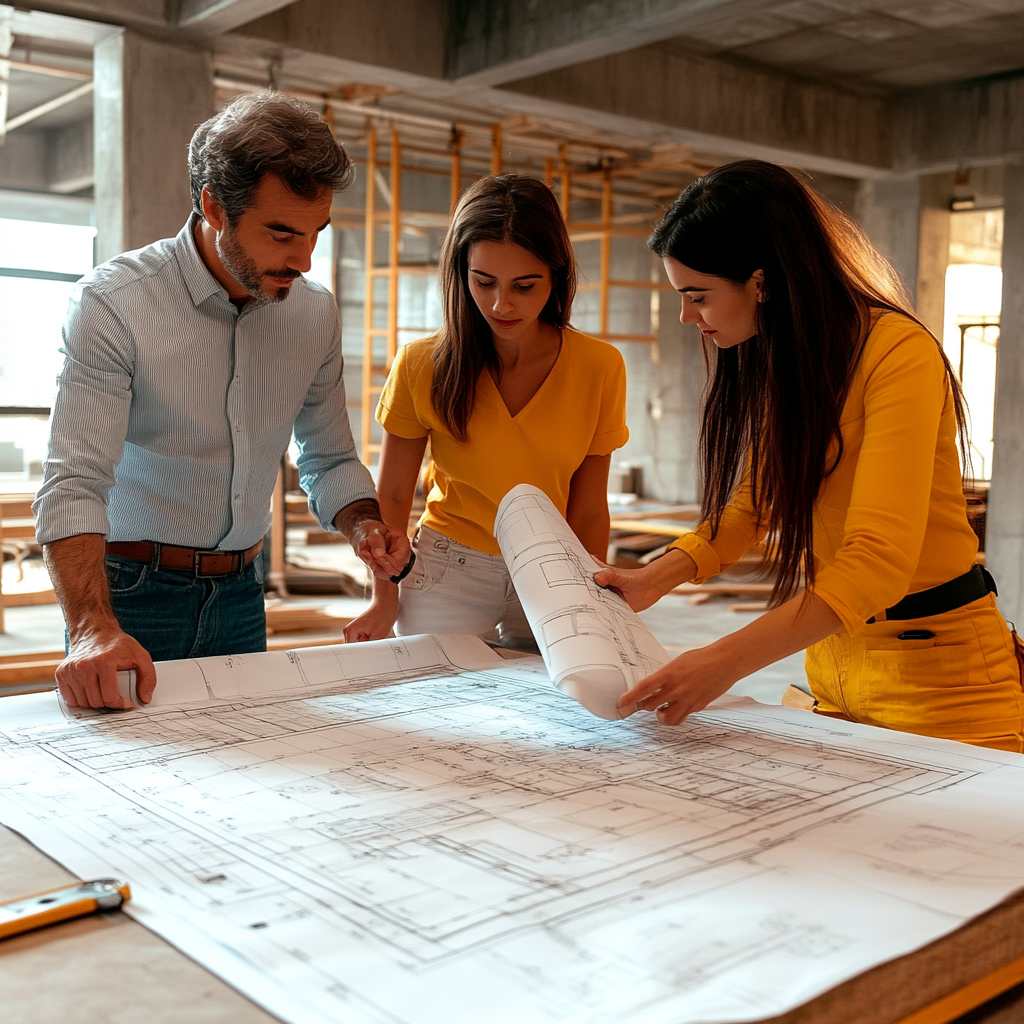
(188, 365)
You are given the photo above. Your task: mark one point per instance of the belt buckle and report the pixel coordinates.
(200, 575)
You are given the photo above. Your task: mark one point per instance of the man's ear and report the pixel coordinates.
(213, 212)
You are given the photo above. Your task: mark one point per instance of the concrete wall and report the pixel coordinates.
(23, 160)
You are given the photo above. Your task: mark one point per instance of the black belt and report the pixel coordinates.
(955, 593)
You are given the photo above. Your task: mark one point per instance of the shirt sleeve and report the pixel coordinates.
(739, 530)
(329, 469)
(396, 410)
(905, 391)
(89, 421)
(611, 431)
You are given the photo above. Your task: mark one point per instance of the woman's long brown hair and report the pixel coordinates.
(773, 403)
(501, 208)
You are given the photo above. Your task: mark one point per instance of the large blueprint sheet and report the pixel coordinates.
(417, 832)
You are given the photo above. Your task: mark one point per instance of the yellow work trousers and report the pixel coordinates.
(964, 683)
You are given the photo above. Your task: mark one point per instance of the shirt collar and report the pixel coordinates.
(200, 282)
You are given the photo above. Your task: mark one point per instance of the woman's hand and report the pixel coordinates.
(686, 684)
(378, 621)
(643, 587)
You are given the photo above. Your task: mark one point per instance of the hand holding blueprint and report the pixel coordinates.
(594, 645)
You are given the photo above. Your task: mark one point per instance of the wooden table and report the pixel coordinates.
(109, 968)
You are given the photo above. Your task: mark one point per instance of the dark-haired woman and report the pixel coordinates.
(507, 393)
(830, 427)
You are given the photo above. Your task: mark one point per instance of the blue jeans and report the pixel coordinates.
(174, 615)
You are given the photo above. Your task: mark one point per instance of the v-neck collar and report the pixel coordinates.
(563, 344)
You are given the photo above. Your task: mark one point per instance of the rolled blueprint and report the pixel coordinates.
(594, 645)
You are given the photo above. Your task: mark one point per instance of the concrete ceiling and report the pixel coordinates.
(814, 83)
(884, 45)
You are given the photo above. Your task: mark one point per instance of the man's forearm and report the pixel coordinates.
(79, 579)
(357, 512)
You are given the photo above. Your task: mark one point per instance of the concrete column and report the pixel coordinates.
(934, 228)
(1004, 545)
(149, 98)
(889, 210)
(908, 221)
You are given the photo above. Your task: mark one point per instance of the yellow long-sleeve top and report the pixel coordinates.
(891, 519)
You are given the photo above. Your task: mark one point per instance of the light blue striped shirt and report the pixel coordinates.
(173, 409)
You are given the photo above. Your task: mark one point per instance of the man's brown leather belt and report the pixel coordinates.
(198, 562)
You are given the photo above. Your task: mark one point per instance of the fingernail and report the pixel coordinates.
(626, 709)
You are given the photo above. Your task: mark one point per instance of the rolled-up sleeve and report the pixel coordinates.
(611, 431)
(89, 421)
(904, 395)
(329, 469)
(739, 530)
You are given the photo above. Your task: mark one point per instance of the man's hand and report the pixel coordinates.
(87, 677)
(385, 550)
(685, 685)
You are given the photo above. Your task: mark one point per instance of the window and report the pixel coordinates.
(970, 338)
(39, 265)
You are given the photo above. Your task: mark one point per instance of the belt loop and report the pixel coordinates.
(989, 579)
(154, 560)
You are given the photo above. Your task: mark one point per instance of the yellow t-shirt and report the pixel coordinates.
(891, 520)
(579, 410)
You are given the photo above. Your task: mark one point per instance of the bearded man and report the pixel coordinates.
(188, 365)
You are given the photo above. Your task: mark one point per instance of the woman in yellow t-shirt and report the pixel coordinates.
(830, 427)
(507, 393)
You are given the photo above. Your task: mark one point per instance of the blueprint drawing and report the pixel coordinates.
(593, 643)
(436, 835)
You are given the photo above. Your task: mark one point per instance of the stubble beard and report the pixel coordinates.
(244, 270)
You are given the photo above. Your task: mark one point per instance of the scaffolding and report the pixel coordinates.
(385, 219)
(609, 187)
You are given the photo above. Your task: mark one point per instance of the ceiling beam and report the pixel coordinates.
(141, 14)
(214, 17)
(503, 40)
(965, 124)
(722, 109)
(654, 93)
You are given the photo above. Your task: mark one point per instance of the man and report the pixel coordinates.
(188, 365)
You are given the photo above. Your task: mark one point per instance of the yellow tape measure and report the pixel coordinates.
(75, 900)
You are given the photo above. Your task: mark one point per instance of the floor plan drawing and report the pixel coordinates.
(461, 843)
(593, 643)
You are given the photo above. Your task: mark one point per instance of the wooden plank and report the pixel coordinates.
(795, 697)
(296, 619)
(726, 587)
(32, 599)
(953, 1006)
(19, 529)
(23, 656)
(29, 671)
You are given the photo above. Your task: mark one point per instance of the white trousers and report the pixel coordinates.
(455, 589)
